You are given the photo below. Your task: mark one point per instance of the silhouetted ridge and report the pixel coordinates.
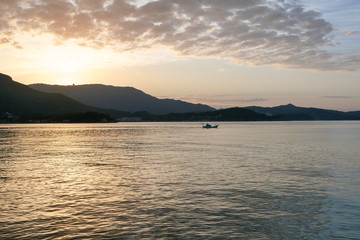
(22, 101)
(122, 98)
(291, 112)
(229, 114)
(5, 78)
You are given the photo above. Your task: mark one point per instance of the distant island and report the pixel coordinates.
(40, 103)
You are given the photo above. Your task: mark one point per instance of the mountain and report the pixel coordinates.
(291, 112)
(354, 114)
(229, 114)
(122, 98)
(20, 103)
(20, 100)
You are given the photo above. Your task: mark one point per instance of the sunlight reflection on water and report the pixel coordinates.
(176, 180)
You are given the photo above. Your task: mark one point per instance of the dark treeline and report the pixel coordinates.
(86, 117)
(231, 114)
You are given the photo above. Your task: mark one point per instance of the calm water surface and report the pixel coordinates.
(277, 180)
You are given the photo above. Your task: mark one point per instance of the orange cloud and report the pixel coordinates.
(260, 32)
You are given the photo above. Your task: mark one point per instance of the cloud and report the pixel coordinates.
(222, 99)
(15, 44)
(337, 97)
(4, 40)
(245, 100)
(352, 33)
(258, 32)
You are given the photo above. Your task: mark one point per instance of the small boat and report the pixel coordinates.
(210, 126)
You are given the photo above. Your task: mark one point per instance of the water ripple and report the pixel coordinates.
(166, 181)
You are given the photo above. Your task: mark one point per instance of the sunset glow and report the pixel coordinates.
(248, 52)
(179, 119)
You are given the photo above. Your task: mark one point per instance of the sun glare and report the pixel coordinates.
(66, 81)
(69, 59)
(65, 65)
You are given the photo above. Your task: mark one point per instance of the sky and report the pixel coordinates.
(223, 53)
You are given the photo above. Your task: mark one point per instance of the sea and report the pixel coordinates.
(176, 180)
